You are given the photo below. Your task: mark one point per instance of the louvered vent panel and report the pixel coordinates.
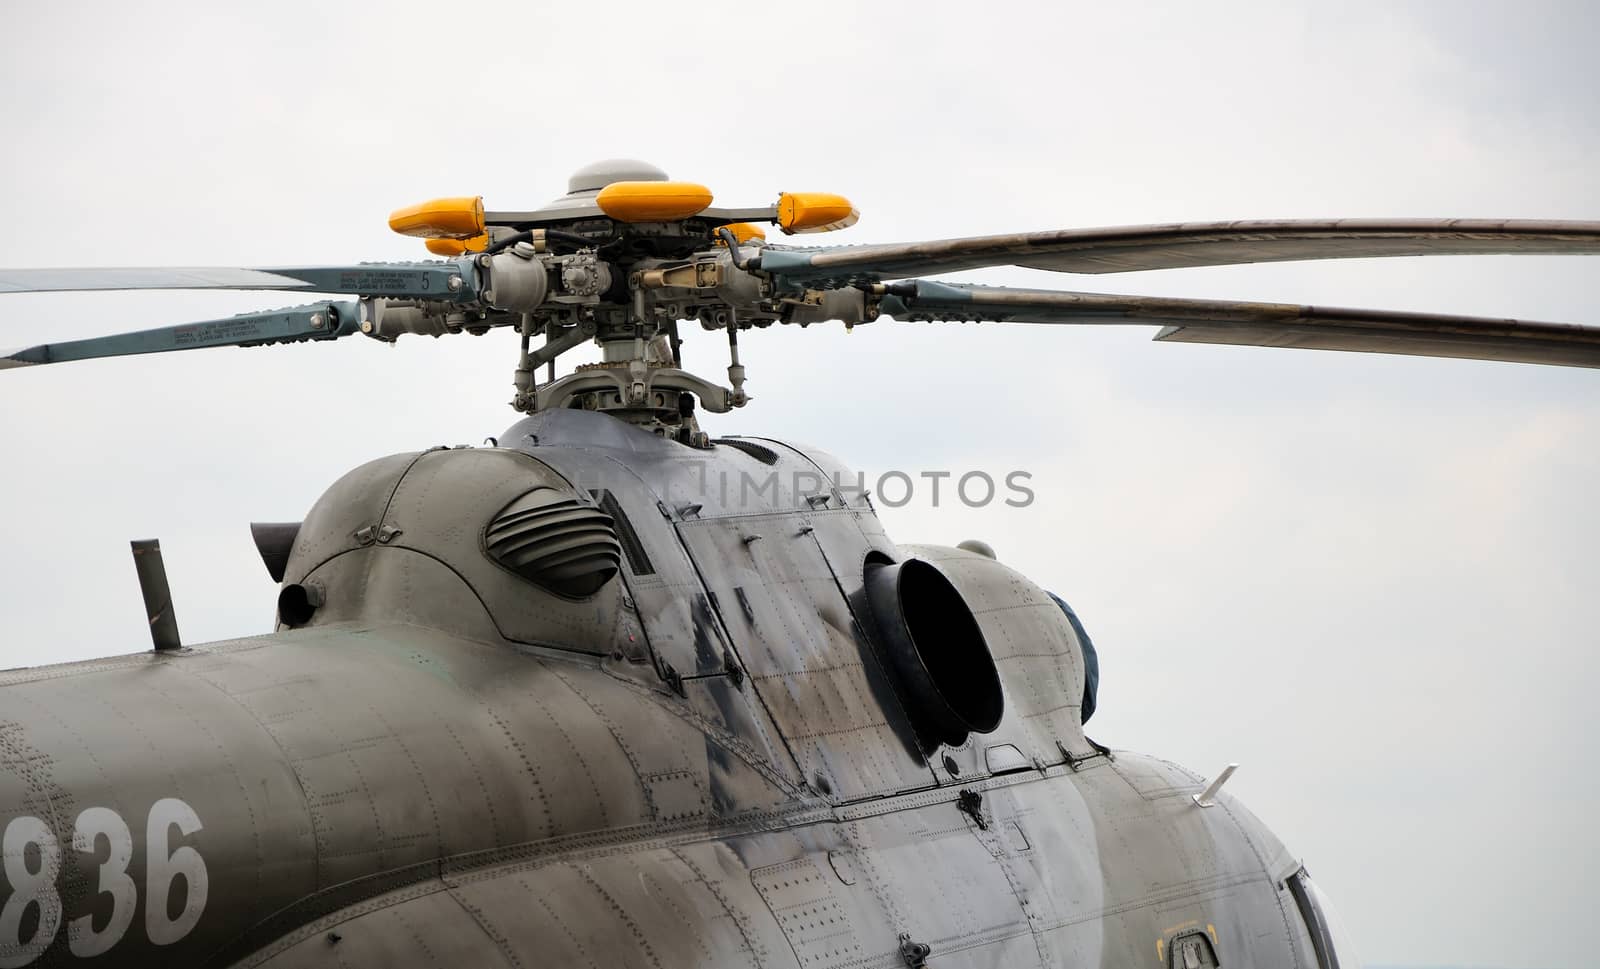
(760, 452)
(547, 537)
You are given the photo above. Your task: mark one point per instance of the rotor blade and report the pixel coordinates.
(1260, 324)
(314, 321)
(1141, 247)
(451, 280)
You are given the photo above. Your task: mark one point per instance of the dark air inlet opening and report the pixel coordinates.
(937, 650)
(297, 604)
(950, 644)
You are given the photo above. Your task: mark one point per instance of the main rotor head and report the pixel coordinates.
(619, 260)
(628, 254)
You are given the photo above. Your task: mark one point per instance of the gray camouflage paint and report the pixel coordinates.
(705, 764)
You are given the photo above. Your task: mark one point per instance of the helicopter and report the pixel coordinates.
(612, 691)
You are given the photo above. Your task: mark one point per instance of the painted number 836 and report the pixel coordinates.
(33, 864)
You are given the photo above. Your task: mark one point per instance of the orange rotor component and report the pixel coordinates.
(447, 218)
(653, 201)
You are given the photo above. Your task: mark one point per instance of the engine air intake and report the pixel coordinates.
(937, 652)
(548, 537)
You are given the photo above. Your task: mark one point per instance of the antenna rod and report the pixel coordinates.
(157, 594)
(1208, 797)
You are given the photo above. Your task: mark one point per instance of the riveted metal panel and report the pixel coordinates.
(354, 502)
(125, 741)
(748, 763)
(645, 909)
(671, 602)
(804, 652)
(801, 897)
(443, 506)
(422, 927)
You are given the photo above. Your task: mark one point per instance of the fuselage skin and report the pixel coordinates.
(707, 762)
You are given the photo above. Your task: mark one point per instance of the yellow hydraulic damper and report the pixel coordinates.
(653, 201)
(451, 218)
(456, 247)
(815, 212)
(743, 232)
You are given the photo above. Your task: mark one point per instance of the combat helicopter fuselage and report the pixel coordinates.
(702, 744)
(611, 692)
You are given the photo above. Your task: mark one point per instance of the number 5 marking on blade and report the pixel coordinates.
(29, 888)
(95, 823)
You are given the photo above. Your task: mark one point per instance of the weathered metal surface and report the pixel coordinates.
(1138, 248)
(615, 694)
(705, 762)
(1262, 324)
(805, 654)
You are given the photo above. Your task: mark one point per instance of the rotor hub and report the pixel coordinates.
(597, 175)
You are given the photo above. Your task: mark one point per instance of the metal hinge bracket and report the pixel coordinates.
(971, 803)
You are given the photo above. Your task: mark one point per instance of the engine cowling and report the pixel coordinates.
(976, 648)
(936, 649)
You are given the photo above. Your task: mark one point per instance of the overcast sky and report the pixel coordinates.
(1370, 580)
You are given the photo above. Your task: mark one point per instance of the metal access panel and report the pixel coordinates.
(1193, 950)
(801, 896)
(660, 579)
(805, 653)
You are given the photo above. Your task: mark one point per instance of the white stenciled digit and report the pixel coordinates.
(93, 824)
(29, 887)
(162, 869)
